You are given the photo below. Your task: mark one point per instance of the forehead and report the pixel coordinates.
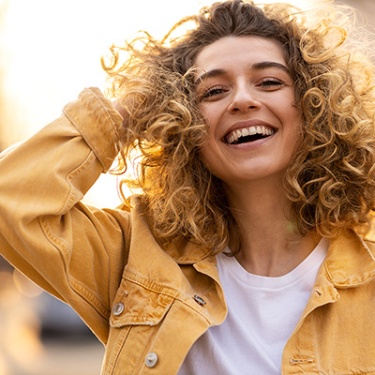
(235, 50)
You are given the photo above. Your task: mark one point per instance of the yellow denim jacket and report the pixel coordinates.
(146, 304)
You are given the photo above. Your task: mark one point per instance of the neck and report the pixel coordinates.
(270, 244)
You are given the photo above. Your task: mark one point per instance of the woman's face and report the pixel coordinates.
(247, 97)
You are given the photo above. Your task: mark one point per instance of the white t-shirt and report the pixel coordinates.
(262, 314)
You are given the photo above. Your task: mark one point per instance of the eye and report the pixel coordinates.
(213, 92)
(271, 84)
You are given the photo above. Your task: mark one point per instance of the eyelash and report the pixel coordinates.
(266, 83)
(271, 82)
(212, 91)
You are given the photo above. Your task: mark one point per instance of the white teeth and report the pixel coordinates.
(235, 135)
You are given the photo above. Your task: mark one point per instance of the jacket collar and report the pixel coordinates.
(190, 253)
(350, 260)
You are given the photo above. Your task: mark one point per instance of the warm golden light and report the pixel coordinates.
(52, 49)
(25, 286)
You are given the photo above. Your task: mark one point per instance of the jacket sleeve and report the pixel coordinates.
(73, 251)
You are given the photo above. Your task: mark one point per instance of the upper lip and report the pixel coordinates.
(248, 127)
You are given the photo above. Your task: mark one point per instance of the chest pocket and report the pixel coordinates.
(140, 302)
(138, 312)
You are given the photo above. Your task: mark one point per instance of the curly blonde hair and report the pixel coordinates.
(330, 181)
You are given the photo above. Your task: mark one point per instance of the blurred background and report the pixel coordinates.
(49, 51)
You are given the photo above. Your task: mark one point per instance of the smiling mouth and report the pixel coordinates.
(249, 134)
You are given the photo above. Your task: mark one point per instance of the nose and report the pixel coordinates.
(244, 99)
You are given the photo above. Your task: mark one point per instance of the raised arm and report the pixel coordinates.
(73, 251)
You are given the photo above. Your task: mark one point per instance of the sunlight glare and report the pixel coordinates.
(51, 50)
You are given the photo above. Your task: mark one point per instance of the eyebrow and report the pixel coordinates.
(257, 66)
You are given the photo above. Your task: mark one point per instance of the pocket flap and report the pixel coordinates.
(140, 302)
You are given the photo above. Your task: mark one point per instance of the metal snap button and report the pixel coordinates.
(118, 309)
(151, 359)
(199, 300)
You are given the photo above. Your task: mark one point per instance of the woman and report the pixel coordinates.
(249, 249)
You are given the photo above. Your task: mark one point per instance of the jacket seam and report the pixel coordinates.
(89, 297)
(103, 106)
(194, 309)
(74, 285)
(162, 289)
(346, 285)
(71, 198)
